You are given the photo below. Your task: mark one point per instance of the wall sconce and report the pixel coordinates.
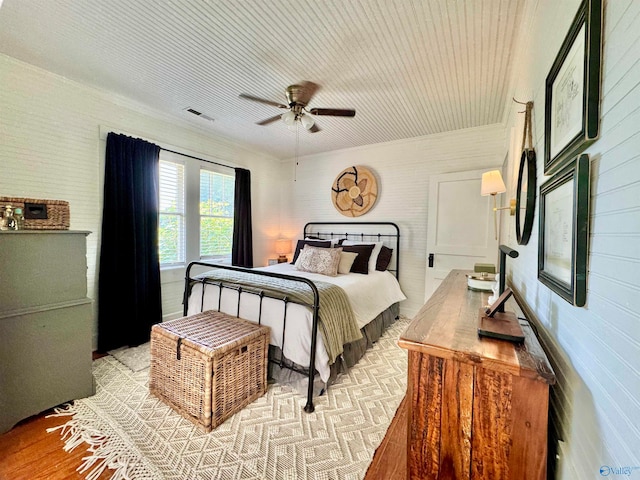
(283, 246)
(492, 184)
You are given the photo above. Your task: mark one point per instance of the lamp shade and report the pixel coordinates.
(307, 121)
(492, 183)
(283, 246)
(288, 118)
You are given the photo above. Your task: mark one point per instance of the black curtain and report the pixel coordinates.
(129, 281)
(242, 248)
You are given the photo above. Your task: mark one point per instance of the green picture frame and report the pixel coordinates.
(572, 93)
(564, 231)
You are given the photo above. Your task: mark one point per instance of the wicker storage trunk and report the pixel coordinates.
(208, 366)
(41, 214)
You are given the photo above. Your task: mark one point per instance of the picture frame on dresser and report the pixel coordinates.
(572, 90)
(564, 231)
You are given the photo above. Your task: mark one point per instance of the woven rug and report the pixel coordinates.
(139, 437)
(136, 358)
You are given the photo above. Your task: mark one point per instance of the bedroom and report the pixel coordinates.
(53, 141)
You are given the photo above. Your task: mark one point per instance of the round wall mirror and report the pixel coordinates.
(526, 196)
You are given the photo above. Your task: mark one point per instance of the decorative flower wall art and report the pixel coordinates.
(354, 191)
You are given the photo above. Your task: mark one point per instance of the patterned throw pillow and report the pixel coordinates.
(301, 244)
(319, 260)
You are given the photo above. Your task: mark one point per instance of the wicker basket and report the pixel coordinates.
(53, 214)
(208, 366)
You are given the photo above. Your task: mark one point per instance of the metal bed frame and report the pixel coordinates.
(311, 228)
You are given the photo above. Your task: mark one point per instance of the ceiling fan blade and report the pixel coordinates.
(262, 100)
(315, 128)
(309, 89)
(269, 120)
(335, 112)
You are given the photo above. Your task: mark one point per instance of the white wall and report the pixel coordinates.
(51, 147)
(595, 350)
(402, 169)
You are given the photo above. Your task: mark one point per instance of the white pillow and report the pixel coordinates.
(334, 241)
(373, 259)
(346, 260)
(319, 260)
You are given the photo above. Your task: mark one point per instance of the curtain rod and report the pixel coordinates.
(105, 130)
(197, 158)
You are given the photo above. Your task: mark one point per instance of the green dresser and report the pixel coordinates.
(45, 322)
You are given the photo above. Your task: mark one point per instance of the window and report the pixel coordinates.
(171, 224)
(196, 211)
(216, 214)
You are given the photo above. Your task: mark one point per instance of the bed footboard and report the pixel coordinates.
(190, 281)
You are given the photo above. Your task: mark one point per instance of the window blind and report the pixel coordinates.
(171, 228)
(216, 214)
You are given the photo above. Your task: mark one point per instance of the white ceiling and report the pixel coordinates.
(408, 67)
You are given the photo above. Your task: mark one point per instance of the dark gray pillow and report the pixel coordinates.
(361, 263)
(384, 258)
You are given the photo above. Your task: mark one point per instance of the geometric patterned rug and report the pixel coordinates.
(139, 437)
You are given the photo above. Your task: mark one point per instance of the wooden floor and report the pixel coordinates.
(390, 460)
(28, 452)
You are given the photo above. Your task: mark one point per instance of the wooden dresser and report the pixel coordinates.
(45, 322)
(477, 407)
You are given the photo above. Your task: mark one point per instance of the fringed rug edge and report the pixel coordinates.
(86, 428)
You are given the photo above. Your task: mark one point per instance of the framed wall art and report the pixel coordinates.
(572, 93)
(563, 232)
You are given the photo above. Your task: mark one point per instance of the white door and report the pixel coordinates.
(460, 231)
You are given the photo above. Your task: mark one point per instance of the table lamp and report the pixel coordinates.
(283, 246)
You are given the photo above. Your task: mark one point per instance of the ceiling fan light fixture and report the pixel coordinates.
(289, 118)
(307, 121)
(298, 97)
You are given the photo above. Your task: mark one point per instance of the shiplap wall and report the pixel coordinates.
(402, 169)
(595, 350)
(51, 147)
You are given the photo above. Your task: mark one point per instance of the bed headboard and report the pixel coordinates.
(386, 232)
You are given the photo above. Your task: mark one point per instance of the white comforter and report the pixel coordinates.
(369, 295)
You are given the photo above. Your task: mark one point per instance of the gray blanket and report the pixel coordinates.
(337, 323)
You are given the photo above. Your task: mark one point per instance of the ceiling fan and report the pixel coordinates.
(298, 97)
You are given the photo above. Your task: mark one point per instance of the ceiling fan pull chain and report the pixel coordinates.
(295, 170)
